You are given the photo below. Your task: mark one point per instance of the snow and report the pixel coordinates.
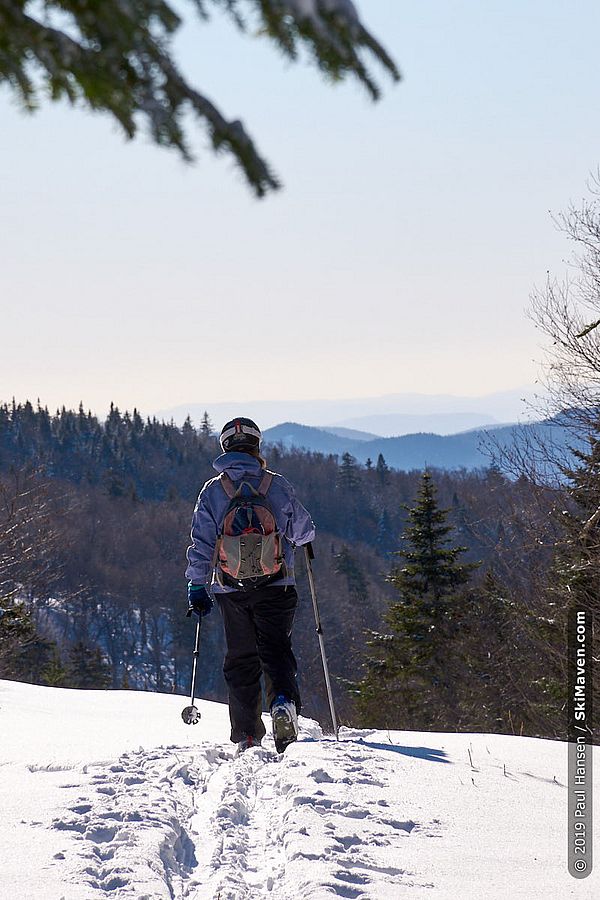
(107, 794)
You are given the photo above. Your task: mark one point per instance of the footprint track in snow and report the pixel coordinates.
(130, 834)
(359, 832)
(197, 824)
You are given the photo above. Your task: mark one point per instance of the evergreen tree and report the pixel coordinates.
(352, 606)
(348, 473)
(87, 668)
(55, 674)
(17, 635)
(24, 654)
(491, 697)
(411, 676)
(351, 498)
(574, 581)
(346, 564)
(116, 486)
(188, 431)
(206, 426)
(382, 469)
(385, 532)
(137, 422)
(118, 58)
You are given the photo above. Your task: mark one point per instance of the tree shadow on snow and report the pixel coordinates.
(429, 753)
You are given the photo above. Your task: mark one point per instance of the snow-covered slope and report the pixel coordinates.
(110, 795)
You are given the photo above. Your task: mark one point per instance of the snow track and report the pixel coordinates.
(177, 822)
(244, 854)
(130, 831)
(89, 814)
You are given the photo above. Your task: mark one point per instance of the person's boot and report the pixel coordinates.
(248, 742)
(285, 722)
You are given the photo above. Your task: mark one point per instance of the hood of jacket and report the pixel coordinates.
(237, 464)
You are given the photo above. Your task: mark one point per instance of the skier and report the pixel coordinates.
(246, 525)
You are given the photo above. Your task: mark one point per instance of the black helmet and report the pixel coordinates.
(240, 434)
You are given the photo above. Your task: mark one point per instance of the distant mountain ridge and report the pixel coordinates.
(351, 433)
(396, 424)
(393, 414)
(414, 451)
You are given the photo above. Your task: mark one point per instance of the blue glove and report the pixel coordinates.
(199, 600)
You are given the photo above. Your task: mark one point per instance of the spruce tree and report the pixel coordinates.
(574, 581)
(55, 674)
(118, 58)
(385, 533)
(491, 698)
(206, 426)
(188, 431)
(536, 688)
(346, 564)
(17, 637)
(87, 668)
(348, 473)
(382, 469)
(412, 671)
(24, 653)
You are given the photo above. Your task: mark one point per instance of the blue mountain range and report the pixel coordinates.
(469, 449)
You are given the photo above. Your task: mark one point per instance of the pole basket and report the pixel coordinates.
(191, 715)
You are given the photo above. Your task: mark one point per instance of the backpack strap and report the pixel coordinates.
(231, 490)
(228, 485)
(265, 483)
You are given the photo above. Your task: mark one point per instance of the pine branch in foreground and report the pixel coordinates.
(116, 57)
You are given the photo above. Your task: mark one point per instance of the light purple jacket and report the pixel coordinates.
(293, 521)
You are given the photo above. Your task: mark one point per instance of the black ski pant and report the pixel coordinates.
(258, 632)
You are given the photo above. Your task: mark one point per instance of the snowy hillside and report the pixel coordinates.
(110, 795)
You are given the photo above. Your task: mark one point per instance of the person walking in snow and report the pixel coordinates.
(246, 525)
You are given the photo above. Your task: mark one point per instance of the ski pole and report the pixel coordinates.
(191, 714)
(309, 556)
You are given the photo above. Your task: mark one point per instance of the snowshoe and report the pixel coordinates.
(285, 722)
(248, 742)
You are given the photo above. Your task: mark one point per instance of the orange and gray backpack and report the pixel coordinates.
(249, 549)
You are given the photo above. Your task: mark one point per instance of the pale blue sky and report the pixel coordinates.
(399, 256)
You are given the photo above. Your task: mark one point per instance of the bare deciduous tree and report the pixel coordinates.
(567, 312)
(28, 565)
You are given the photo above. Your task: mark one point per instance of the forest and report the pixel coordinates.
(94, 524)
